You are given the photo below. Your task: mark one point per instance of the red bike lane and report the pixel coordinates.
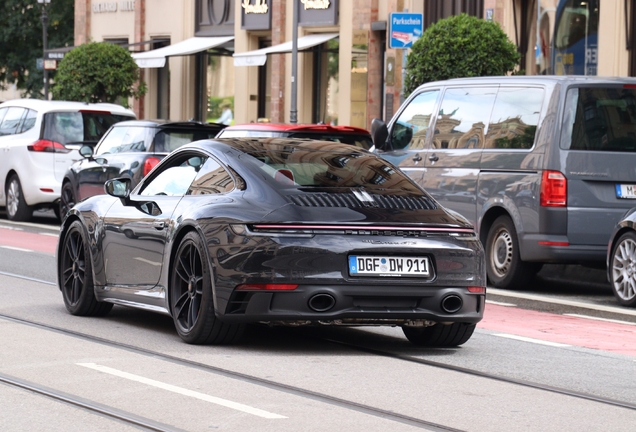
(582, 332)
(23, 240)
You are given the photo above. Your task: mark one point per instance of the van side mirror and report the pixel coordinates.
(379, 133)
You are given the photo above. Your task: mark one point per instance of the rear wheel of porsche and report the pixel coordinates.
(440, 335)
(191, 301)
(76, 275)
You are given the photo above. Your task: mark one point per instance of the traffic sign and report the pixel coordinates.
(404, 29)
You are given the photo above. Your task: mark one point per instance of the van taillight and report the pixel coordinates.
(554, 189)
(149, 164)
(48, 147)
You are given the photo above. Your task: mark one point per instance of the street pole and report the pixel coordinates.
(293, 114)
(45, 22)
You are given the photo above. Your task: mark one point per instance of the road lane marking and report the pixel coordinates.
(204, 397)
(31, 224)
(535, 297)
(531, 340)
(49, 234)
(601, 319)
(501, 303)
(11, 228)
(27, 278)
(16, 248)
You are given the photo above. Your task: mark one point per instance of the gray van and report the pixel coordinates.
(543, 166)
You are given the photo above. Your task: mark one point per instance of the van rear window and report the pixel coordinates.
(600, 119)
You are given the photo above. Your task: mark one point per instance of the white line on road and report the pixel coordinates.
(11, 228)
(49, 234)
(535, 341)
(601, 319)
(500, 303)
(215, 400)
(154, 263)
(544, 299)
(30, 224)
(16, 248)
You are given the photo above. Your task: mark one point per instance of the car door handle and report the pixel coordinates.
(433, 158)
(159, 225)
(417, 158)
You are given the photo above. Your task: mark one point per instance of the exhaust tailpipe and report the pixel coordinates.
(321, 302)
(452, 303)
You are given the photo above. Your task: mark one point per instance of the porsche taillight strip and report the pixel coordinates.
(364, 228)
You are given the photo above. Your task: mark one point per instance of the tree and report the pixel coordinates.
(98, 72)
(459, 46)
(21, 40)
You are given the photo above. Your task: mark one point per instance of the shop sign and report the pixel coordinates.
(317, 13)
(215, 17)
(256, 15)
(124, 6)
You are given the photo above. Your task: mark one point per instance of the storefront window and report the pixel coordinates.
(575, 43)
(326, 87)
(219, 85)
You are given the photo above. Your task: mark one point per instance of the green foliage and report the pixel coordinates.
(98, 72)
(21, 40)
(215, 104)
(459, 46)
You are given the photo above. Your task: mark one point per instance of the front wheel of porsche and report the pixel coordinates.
(191, 299)
(76, 275)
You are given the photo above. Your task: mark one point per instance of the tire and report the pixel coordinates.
(76, 275)
(17, 208)
(503, 265)
(623, 269)
(67, 200)
(440, 335)
(191, 300)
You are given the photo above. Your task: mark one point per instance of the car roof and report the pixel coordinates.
(285, 127)
(534, 79)
(55, 105)
(163, 124)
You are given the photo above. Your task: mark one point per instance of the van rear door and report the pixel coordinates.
(597, 155)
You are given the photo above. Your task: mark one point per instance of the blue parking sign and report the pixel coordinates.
(404, 29)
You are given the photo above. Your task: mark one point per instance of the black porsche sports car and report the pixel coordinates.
(226, 232)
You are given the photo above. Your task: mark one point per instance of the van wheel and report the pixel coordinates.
(17, 208)
(503, 265)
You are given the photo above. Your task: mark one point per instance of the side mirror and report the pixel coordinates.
(86, 151)
(119, 188)
(379, 133)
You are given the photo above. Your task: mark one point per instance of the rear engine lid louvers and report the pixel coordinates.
(351, 200)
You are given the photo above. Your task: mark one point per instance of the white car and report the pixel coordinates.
(39, 140)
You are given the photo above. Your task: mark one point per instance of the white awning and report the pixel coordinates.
(259, 57)
(157, 58)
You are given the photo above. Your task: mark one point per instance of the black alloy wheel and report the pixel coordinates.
(76, 275)
(17, 208)
(191, 301)
(440, 335)
(503, 263)
(67, 200)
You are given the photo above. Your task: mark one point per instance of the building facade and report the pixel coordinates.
(196, 55)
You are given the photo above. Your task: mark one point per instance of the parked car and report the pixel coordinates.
(345, 134)
(549, 162)
(621, 260)
(39, 140)
(130, 149)
(287, 232)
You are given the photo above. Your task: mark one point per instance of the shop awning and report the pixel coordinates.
(157, 58)
(259, 57)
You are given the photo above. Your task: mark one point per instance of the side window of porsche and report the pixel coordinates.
(175, 178)
(211, 179)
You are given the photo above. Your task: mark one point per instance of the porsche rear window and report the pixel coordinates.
(291, 166)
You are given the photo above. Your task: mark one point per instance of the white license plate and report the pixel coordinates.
(388, 266)
(627, 191)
